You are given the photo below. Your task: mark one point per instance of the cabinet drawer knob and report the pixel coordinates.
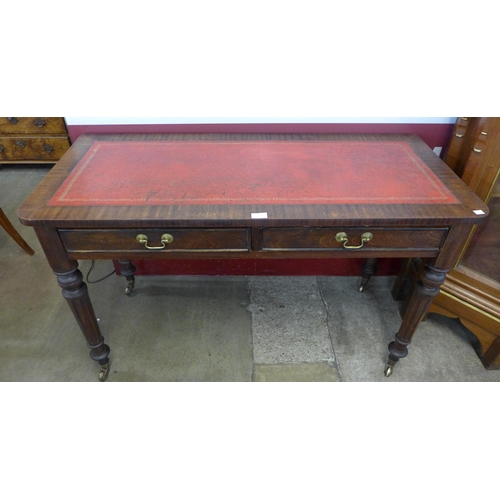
(39, 122)
(21, 143)
(48, 148)
(12, 120)
(477, 150)
(165, 240)
(342, 238)
(1, 148)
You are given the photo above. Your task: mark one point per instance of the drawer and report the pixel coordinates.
(183, 240)
(32, 126)
(19, 148)
(303, 239)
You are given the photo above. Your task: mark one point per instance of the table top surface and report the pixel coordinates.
(149, 180)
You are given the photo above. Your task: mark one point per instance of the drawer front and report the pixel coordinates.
(183, 240)
(32, 126)
(19, 148)
(304, 239)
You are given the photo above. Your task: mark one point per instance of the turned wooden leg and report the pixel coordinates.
(369, 268)
(426, 288)
(74, 290)
(12, 232)
(127, 269)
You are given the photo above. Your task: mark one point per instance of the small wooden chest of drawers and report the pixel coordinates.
(33, 140)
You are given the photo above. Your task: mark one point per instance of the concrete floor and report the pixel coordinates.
(211, 328)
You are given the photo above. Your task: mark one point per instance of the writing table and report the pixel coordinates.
(127, 197)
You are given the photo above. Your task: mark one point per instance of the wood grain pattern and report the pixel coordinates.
(433, 231)
(184, 240)
(35, 210)
(40, 149)
(471, 291)
(33, 140)
(30, 126)
(383, 238)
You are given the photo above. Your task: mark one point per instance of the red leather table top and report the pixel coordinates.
(245, 172)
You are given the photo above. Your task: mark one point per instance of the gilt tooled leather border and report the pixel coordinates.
(216, 172)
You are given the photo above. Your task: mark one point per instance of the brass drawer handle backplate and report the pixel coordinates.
(39, 122)
(21, 143)
(342, 238)
(165, 240)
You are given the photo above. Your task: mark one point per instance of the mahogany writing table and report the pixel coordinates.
(127, 197)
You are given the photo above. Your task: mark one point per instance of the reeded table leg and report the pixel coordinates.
(426, 288)
(128, 270)
(74, 290)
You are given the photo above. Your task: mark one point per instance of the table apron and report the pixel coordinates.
(317, 254)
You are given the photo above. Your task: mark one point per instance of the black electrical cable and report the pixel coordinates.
(100, 279)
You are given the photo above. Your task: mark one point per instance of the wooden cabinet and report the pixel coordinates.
(33, 140)
(471, 291)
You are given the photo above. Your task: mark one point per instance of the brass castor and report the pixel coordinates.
(130, 287)
(103, 374)
(388, 371)
(361, 288)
